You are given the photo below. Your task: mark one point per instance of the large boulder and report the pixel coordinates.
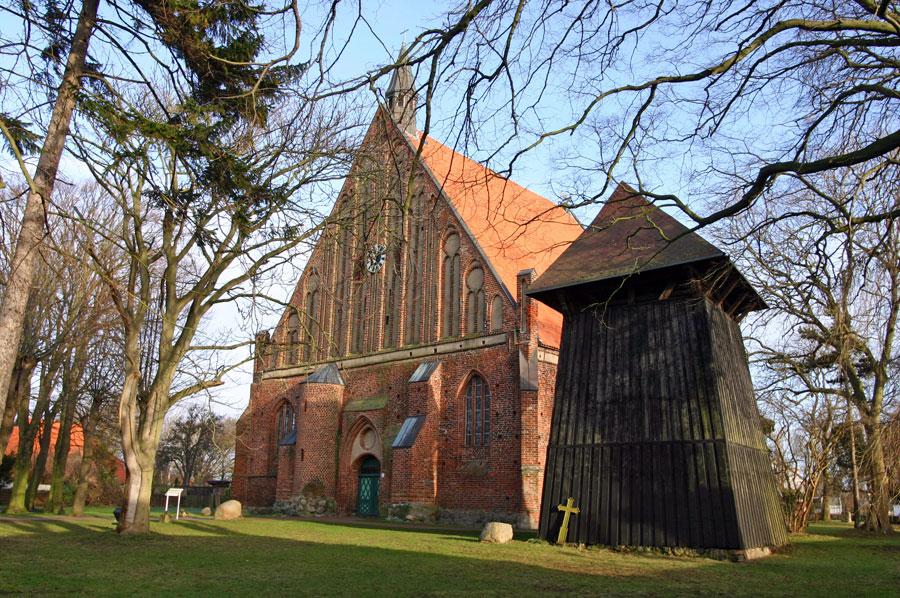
(496, 532)
(230, 509)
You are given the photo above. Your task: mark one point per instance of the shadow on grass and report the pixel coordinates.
(291, 557)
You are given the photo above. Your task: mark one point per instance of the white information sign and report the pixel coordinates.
(174, 492)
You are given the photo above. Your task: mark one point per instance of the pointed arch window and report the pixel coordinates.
(451, 291)
(478, 412)
(287, 424)
(293, 338)
(312, 322)
(496, 313)
(475, 300)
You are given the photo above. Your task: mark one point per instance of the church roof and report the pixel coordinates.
(629, 235)
(515, 228)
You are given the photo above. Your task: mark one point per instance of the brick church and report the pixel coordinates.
(410, 368)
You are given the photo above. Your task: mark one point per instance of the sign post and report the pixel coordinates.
(177, 493)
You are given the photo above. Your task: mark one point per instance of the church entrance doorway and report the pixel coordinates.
(369, 482)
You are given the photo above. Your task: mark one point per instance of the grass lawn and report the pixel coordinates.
(287, 557)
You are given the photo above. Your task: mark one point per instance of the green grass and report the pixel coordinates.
(286, 557)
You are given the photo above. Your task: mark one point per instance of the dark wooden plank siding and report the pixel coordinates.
(652, 433)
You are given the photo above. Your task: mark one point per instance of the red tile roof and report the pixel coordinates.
(515, 228)
(76, 439)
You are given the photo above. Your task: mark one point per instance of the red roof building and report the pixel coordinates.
(76, 446)
(76, 440)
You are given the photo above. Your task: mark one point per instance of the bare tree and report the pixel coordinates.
(189, 443)
(803, 438)
(834, 278)
(200, 226)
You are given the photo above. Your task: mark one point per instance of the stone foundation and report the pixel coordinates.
(306, 506)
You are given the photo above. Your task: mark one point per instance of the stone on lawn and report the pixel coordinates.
(165, 518)
(206, 512)
(496, 532)
(230, 509)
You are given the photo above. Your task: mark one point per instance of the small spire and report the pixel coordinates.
(401, 94)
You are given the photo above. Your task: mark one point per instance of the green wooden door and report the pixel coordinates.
(369, 481)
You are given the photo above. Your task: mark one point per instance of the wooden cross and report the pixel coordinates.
(569, 509)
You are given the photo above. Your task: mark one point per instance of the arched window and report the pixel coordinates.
(496, 313)
(287, 422)
(357, 346)
(475, 300)
(312, 322)
(293, 338)
(451, 286)
(478, 412)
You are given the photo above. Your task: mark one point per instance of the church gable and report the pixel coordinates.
(392, 267)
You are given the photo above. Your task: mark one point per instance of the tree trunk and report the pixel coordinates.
(40, 464)
(20, 472)
(19, 390)
(879, 511)
(855, 473)
(61, 456)
(141, 431)
(138, 489)
(88, 425)
(28, 429)
(84, 474)
(24, 260)
(826, 498)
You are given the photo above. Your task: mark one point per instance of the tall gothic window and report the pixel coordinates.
(287, 422)
(361, 303)
(293, 338)
(312, 323)
(478, 412)
(496, 313)
(451, 294)
(475, 300)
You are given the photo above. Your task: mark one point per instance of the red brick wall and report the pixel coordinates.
(424, 398)
(318, 420)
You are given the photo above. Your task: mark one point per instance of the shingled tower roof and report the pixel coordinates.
(632, 236)
(401, 96)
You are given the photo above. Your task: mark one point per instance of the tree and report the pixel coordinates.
(207, 44)
(834, 278)
(803, 438)
(207, 179)
(192, 443)
(24, 260)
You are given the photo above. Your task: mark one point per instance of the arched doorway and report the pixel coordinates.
(369, 482)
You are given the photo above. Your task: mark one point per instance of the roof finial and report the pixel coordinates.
(401, 93)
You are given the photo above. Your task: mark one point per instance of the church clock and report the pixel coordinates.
(375, 257)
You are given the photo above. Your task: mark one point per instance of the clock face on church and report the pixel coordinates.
(375, 257)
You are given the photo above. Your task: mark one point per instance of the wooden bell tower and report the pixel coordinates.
(655, 431)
